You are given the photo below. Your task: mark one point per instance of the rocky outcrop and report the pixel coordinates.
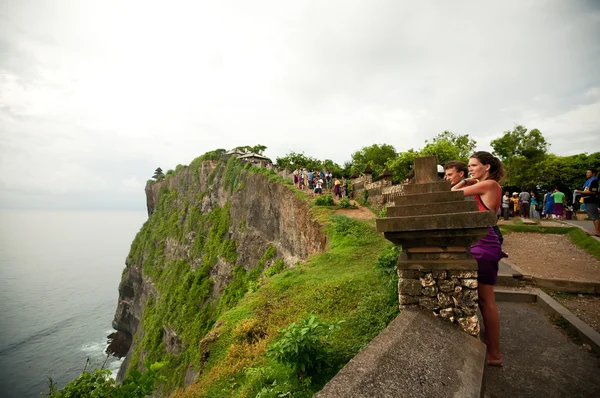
(263, 213)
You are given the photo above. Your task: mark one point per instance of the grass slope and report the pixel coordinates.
(343, 283)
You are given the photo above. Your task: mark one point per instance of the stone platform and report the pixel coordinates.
(417, 355)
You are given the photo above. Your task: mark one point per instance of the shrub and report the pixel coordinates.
(345, 203)
(325, 200)
(387, 264)
(304, 346)
(99, 384)
(275, 268)
(364, 200)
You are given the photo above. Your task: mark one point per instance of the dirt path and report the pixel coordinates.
(361, 213)
(550, 256)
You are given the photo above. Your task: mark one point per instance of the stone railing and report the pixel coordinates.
(425, 351)
(435, 227)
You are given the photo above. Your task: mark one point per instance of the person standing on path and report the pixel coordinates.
(534, 207)
(524, 199)
(548, 205)
(591, 199)
(505, 205)
(486, 170)
(560, 201)
(515, 202)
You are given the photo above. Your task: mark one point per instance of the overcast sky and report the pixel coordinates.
(94, 95)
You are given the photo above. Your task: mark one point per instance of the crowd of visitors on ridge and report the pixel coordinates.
(317, 180)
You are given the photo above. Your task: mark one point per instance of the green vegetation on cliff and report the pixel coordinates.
(345, 283)
(221, 340)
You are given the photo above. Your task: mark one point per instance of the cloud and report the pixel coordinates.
(93, 100)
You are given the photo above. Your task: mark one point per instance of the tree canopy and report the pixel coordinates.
(375, 156)
(445, 146)
(158, 174)
(521, 151)
(448, 146)
(519, 143)
(259, 149)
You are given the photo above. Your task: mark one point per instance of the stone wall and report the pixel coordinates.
(379, 192)
(449, 293)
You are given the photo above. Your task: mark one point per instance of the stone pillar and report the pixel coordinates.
(435, 227)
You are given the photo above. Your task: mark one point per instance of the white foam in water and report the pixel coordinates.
(94, 349)
(97, 352)
(114, 366)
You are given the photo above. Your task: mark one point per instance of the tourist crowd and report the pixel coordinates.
(318, 180)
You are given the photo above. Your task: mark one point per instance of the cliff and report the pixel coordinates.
(230, 256)
(209, 224)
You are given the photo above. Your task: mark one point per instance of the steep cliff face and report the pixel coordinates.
(208, 224)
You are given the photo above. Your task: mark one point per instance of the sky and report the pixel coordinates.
(95, 95)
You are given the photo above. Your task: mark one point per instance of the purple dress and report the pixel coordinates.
(487, 251)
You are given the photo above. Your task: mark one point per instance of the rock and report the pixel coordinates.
(427, 280)
(172, 341)
(409, 286)
(445, 285)
(463, 274)
(447, 313)
(408, 273)
(470, 325)
(404, 299)
(429, 303)
(439, 274)
(118, 344)
(430, 291)
(445, 300)
(470, 295)
(470, 283)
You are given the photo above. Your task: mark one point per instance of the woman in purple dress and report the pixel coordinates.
(486, 170)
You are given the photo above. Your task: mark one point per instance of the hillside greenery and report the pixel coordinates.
(228, 340)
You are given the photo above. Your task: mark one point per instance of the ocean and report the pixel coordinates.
(59, 278)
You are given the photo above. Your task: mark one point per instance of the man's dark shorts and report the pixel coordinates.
(592, 210)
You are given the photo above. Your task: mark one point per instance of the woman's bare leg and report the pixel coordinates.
(491, 319)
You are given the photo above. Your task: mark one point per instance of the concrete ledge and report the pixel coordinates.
(417, 355)
(563, 285)
(451, 265)
(511, 280)
(516, 296)
(584, 331)
(508, 269)
(553, 308)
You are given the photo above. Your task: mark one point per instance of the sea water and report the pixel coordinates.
(59, 275)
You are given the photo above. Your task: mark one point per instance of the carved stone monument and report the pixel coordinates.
(435, 227)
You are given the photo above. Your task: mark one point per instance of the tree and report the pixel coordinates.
(520, 144)
(445, 146)
(565, 172)
(521, 151)
(401, 165)
(294, 160)
(259, 149)
(335, 168)
(374, 156)
(158, 174)
(448, 146)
